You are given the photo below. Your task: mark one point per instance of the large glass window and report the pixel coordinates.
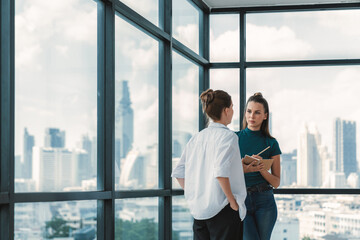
(56, 220)
(136, 108)
(228, 80)
(185, 105)
(303, 35)
(56, 95)
(182, 219)
(136, 219)
(224, 38)
(314, 116)
(186, 24)
(317, 217)
(146, 8)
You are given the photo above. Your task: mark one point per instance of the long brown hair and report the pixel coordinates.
(258, 98)
(214, 102)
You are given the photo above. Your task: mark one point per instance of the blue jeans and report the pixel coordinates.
(261, 215)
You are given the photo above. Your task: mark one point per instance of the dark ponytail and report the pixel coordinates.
(258, 98)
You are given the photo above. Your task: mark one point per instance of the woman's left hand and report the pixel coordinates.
(257, 156)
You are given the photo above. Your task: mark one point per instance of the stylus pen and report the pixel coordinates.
(263, 150)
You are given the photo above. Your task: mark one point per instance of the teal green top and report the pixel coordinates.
(253, 142)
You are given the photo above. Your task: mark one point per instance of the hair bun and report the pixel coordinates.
(207, 97)
(258, 94)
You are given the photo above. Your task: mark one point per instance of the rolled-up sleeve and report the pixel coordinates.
(179, 170)
(224, 155)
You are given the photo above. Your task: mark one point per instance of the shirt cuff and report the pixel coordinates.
(222, 172)
(177, 175)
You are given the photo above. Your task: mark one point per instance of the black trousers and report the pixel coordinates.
(226, 225)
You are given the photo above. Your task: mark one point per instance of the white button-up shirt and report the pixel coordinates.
(213, 152)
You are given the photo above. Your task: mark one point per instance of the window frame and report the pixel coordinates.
(106, 193)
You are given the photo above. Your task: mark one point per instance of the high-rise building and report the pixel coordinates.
(345, 146)
(309, 162)
(53, 169)
(54, 138)
(26, 166)
(180, 139)
(288, 168)
(124, 126)
(87, 156)
(18, 167)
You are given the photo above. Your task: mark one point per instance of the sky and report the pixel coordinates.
(56, 69)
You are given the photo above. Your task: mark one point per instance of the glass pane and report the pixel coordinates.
(224, 38)
(56, 220)
(56, 95)
(182, 219)
(185, 105)
(317, 217)
(303, 35)
(147, 8)
(229, 81)
(186, 24)
(314, 115)
(136, 108)
(137, 219)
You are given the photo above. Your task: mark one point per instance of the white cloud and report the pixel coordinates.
(185, 107)
(316, 95)
(188, 35)
(271, 43)
(225, 47)
(55, 68)
(344, 22)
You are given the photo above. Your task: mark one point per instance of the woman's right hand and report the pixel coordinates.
(253, 167)
(234, 205)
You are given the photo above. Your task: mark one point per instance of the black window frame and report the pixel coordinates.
(106, 193)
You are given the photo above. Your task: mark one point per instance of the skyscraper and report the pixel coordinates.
(345, 146)
(87, 157)
(29, 143)
(54, 138)
(309, 162)
(180, 139)
(288, 168)
(54, 169)
(124, 130)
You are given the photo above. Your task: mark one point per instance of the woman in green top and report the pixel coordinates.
(260, 203)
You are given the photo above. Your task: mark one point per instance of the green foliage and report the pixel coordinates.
(57, 227)
(138, 230)
(306, 238)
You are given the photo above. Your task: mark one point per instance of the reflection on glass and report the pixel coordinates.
(56, 96)
(228, 80)
(224, 38)
(182, 219)
(136, 219)
(136, 108)
(314, 116)
(317, 217)
(148, 9)
(303, 35)
(185, 105)
(56, 220)
(186, 24)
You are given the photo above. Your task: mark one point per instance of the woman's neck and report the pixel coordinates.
(222, 122)
(254, 128)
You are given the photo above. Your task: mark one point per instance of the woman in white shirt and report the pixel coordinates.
(210, 172)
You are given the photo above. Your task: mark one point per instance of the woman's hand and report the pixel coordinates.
(253, 167)
(257, 156)
(234, 205)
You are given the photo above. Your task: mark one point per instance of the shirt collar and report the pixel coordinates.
(258, 132)
(217, 125)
